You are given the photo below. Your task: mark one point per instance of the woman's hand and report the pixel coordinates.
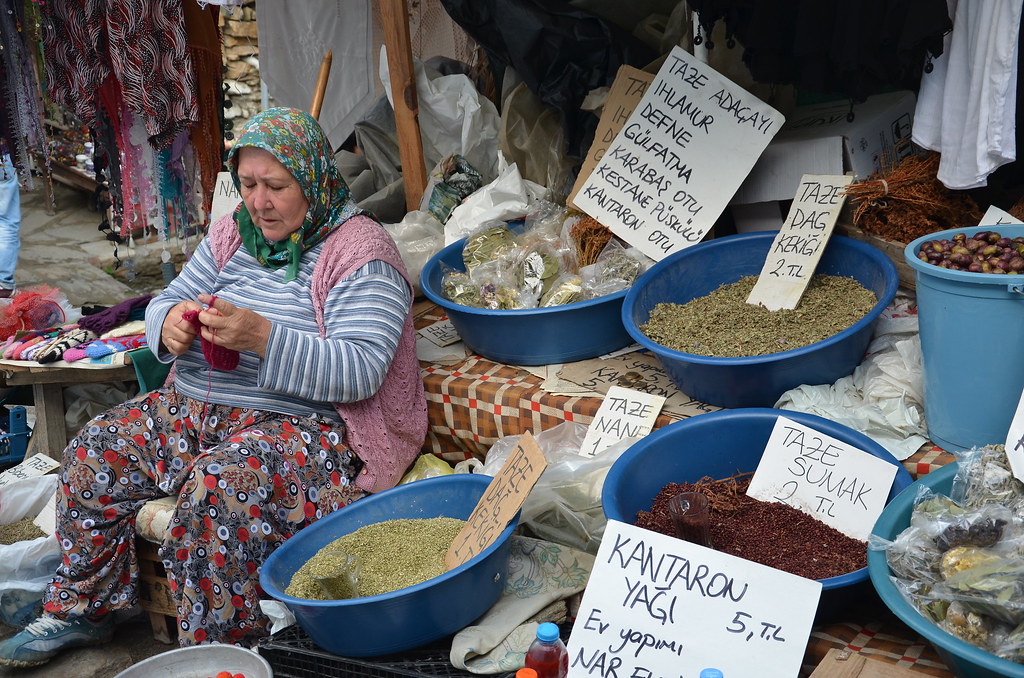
(177, 334)
(234, 327)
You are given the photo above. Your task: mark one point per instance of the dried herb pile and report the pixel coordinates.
(907, 201)
(390, 555)
(19, 530)
(723, 325)
(770, 533)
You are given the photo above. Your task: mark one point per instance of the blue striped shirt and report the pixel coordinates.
(302, 373)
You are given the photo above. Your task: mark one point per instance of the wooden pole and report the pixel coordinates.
(395, 17)
(321, 85)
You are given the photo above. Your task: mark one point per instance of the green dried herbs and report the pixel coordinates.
(391, 555)
(19, 530)
(723, 325)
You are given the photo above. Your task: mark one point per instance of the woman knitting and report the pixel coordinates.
(296, 392)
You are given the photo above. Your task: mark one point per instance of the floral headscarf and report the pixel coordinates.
(296, 139)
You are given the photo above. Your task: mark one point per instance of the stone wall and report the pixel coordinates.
(241, 57)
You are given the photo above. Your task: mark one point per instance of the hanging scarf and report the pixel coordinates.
(297, 141)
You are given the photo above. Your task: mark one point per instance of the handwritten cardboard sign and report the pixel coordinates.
(624, 413)
(442, 333)
(678, 160)
(1015, 441)
(796, 250)
(500, 502)
(225, 197)
(637, 371)
(997, 217)
(36, 465)
(835, 482)
(625, 93)
(660, 606)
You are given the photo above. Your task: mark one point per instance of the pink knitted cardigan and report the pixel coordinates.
(387, 429)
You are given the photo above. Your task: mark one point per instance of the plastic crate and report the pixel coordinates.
(14, 443)
(292, 654)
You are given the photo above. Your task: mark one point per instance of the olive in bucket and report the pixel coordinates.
(337, 573)
(690, 512)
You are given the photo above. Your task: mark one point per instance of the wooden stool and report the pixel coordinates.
(154, 590)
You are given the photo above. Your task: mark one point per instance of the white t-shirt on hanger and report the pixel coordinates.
(966, 107)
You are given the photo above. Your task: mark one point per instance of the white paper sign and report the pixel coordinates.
(37, 465)
(799, 244)
(624, 413)
(225, 197)
(673, 167)
(442, 333)
(1015, 441)
(837, 483)
(995, 217)
(656, 606)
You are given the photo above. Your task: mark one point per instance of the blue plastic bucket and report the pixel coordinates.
(530, 336)
(756, 381)
(409, 617)
(968, 320)
(962, 658)
(720, 444)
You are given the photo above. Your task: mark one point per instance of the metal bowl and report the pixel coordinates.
(201, 661)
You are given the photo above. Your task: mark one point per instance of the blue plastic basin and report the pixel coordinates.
(533, 336)
(965, 317)
(962, 658)
(410, 617)
(756, 381)
(721, 444)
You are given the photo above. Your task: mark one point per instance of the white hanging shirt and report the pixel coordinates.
(966, 107)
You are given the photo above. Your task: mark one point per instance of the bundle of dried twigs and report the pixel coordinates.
(590, 237)
(908, 201)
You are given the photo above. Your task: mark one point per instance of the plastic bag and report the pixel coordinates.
(616, 269)
(564, 505)
(507, 197)
(427, 466)
(418, 236)
(26, 567)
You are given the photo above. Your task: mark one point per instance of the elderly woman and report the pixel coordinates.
(296, 392)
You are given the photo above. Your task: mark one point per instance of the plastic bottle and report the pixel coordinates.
(548, 655)
(710, 673)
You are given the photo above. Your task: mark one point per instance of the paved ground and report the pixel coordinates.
(66, 250)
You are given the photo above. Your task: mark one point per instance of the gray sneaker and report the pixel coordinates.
(45, 637)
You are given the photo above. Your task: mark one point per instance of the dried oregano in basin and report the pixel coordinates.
(391, 555)
(723, 325)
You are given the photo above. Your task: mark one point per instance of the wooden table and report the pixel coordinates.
(49, 434)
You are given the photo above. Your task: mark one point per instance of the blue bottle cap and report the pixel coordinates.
(547, 632)
(711, 673)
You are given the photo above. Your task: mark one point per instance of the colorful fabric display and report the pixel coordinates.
(56, 349)
(104, 321)
(102, 347)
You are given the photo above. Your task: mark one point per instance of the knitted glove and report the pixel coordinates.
(102, 347)
(55, 350)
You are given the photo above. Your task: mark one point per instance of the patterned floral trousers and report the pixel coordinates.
(245, 480)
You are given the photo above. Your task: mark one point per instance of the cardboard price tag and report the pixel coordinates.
(36, 465)
(500, 502)
(679, 158)
(796, 250)
(1015, 441)
(624, 413)
(442, 333)
(225, 197)
(660, 606)
(836, 483)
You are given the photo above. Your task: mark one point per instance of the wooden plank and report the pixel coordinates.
(65, 376)
(50, 433)
(892, 249)
(847, 664)
(395, 19)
